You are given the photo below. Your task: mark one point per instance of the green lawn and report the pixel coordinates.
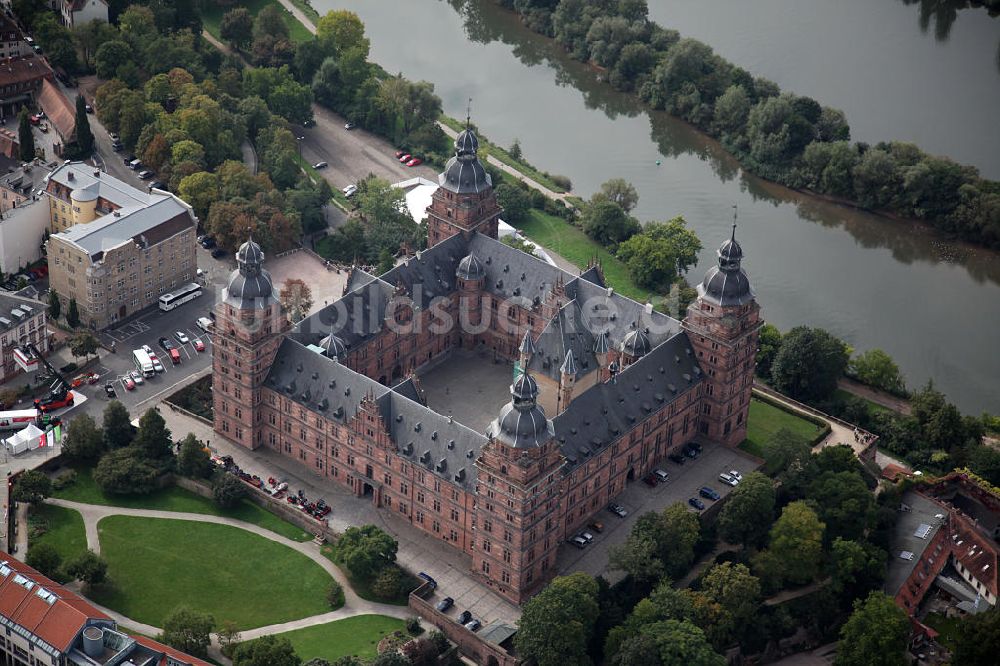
(211, 16)
(354, 636)
(873, 407)
(173, 498)
(765, 419)
(558, 235)
(363, 589)
(156, 565)
(64, 531)
(307, 9)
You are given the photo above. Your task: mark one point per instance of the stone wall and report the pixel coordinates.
(469, 644)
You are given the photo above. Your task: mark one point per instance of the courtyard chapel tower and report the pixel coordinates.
(723, 326)
(518, 524)
(249, 325)
(465, 201)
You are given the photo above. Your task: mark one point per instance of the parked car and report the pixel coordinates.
(586, 536)
(109, 390)
(320, 165)
(400, 153)
(137, 377)
(207, 242)
(204, 323)
(128, 383)
(117, 146)
(578, 541)
(650, 480)
(348, 126)
(736, 475)
(145, 174)
(597, 526)
(697, 503)
(166, 343)
(464, 617)
(445, 604)
(113, 136)
(148, 349)
(350, 191)
(618, 510)
(709, 493)
(728, 479)
(158, 185)
(198, 345)
(309, 122)
(405, 158)
(175, 357)
(416, 161)
(182, 337)
(676, 458)
(661, 475)
(426, 576)
(218, 253)
(473, 625)
(690, 453)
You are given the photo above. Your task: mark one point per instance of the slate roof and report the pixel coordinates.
(326, 387)
(607, 410)
(162, 218)
(567, 332)
(78, 175)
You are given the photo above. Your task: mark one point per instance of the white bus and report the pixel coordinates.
(17, 419)
(179, 296)
(143, 363)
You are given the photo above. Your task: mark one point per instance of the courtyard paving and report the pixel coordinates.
(468, 386)
(326, 284)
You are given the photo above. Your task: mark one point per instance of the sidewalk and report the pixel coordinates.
(418, 551)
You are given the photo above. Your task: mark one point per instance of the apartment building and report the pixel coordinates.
(24, 215)
(22, 320)
(113, 248)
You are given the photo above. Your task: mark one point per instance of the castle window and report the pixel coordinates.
(706, 408)
(488, 525)
(486, 546)
(486, 567)
(454, 514)
(506, 556)
(505, 577)
(437, 505)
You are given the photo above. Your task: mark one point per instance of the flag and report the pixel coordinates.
(41, 441)
(59, 432)
(51, 436)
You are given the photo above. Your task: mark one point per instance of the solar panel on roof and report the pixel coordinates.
(923, 531)
(906, 555)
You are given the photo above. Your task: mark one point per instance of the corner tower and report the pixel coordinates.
(722, 325)
(518, 517)
(464, 201)
(249, 325)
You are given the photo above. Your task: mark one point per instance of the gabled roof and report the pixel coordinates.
(168, 651)
(145, 225)
(58, 109)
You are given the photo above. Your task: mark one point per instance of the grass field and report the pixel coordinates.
(765, 419)
(86, 491)
(363, 588)
(873, 407)
(211, 16)
(156, 565)
(558, 235)
(354, 636)
(65, 531)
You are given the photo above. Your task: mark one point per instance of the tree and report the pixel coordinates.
(514, 201)
(88, 567)
(227, 490)
(737, 591)
(680, 530)
(809, 363)
(117, 426)
(55, 306)
(856, 568)
(229, 636)
(25, 137)
(621, 192)
(366, 550)
(189, 631)
(269, 21)
(787, 453)
(84, 135)
(977, 639)
(84, 344)
(681, 643)
(387, 583)
(877, 369)
(153, 438)
(796, 544)
(335, 595)
(876, 634)
(296, 298)
(731, 112)
(747, 514)
(768, 343)
(72, 314)
(125, 472)
(237, 27)
(44, 558)
(844, 503)
(338, 31)
(193, 459)
(608, 223)
(658, 254)
(200, 190)
(556, 624)
(638, 557)
(266, 651)
(31, 486)
(84, 440)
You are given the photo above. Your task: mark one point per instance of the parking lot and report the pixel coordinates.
(638, 498)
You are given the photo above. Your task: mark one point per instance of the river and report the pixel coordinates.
(933, 305)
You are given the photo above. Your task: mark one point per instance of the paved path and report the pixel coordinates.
(354, 605)
(895, 403)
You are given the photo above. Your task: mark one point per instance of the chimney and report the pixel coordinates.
(97, 173)
(69, 175)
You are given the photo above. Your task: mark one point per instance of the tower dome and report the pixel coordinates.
(249, 285)
(522, 423)
(727, 284)
(470, 268)
(635, 343)
(334, 346)
(466, 143)
(464, 173)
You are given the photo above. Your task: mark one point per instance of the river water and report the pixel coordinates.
(933, 305)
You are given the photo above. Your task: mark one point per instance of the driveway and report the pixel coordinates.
(638, 498)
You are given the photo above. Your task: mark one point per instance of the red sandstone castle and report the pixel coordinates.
(606, 387)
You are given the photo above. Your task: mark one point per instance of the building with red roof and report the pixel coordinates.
(47, 623)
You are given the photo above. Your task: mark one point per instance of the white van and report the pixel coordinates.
(350, 190)
(134, 164)
(204, 323)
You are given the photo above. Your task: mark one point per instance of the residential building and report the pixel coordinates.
(21, 81)
(604, 388)
(115, 249)
(12, 42)
(79, 12)
(49, 624)
(24, 215)
(22, 320)
(60, 113)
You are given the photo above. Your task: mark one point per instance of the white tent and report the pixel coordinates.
(23, 440)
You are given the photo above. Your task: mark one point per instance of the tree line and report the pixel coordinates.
(778, 135)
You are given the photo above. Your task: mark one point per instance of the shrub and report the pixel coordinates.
(562, 181)
(335, 595)
(413, 626)
(44, 558)
(64, 480)
(387, 583)
(227, 490)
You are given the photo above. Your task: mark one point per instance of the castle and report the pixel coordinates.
(605, 388)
